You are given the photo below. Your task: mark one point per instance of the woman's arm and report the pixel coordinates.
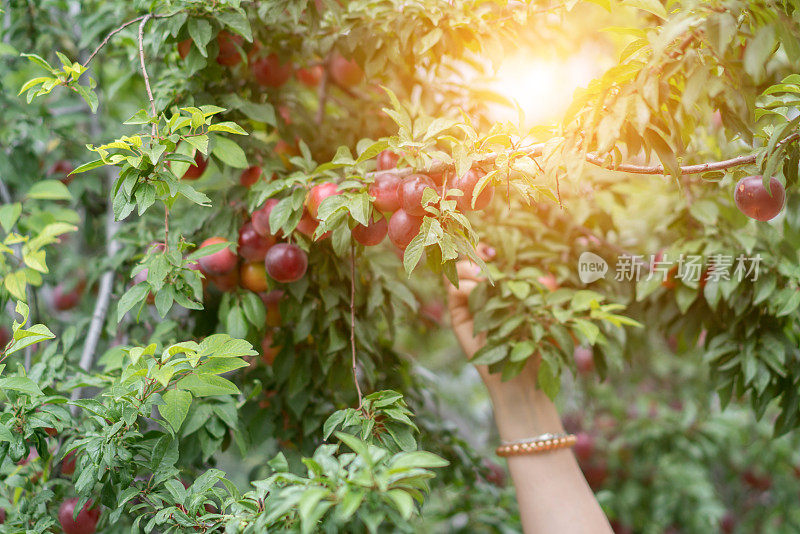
(552, 493)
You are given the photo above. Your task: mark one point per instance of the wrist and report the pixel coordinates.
(525, 416)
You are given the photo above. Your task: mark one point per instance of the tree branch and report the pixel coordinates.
(353, 320)
(118, 29)
(144, 69)
(108, 37)
(537, 150)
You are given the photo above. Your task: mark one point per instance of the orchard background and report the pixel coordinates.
(207, 329)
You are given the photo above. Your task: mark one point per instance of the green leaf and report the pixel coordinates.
(229, 153)
(522, 351)
(652, 6)
(176, 408)
(548, 379)
(140, 117)
(39, 61)
(49, 190)
(23, 384)
(235, 322)
(236, 21)
(488, 355)
(402, 501)
(207, 385)
(88, 166)
(414, 252)
(200, 142)
(9, 214)
(228, 127)
(15, 284)
(417, 460)
(131, 298)
(5, 434)
(200, 31)
(254, 309)
(218, 366)
(30, 336)
(88, 95)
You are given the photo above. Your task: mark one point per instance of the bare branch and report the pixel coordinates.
(144, 69)
(118, 29)
(111, 34)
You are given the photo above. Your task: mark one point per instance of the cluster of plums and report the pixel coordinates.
(269, 70)
(402, 196)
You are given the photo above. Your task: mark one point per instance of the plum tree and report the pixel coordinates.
(641, 160)
(226, 282)
(68, 464)
(62, 168)
(584, 447)
(271, 302)
(286, 263)
(584, 359)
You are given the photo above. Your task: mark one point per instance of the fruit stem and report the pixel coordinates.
(353, 321)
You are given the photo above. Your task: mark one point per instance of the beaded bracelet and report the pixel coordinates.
(543, 443)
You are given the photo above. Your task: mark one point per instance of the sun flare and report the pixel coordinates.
(542, 87)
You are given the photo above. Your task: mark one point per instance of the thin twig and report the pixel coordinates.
(118, 29)
(144, 69)
(111, 34)
(353, 320)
